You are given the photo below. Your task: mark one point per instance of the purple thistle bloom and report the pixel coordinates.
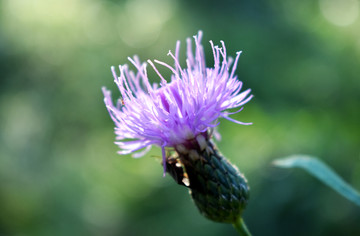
(179, 110)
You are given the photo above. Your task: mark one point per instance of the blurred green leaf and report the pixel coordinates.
(321, 171)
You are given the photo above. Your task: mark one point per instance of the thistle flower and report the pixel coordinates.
(181, 114)
(179, 110)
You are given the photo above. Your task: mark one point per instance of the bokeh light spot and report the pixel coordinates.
(340, 12)
(141, 21)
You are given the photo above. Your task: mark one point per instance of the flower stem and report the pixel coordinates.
(241, 228)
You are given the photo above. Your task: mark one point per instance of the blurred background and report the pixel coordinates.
(59, 171)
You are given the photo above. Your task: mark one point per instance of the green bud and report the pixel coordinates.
(217, 187)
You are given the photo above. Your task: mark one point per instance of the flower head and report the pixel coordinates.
(180, 109)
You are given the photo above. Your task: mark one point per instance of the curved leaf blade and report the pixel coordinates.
(321, 171)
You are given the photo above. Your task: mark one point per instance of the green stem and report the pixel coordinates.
(241, 228)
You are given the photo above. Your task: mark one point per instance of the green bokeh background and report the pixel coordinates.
(59, 171)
